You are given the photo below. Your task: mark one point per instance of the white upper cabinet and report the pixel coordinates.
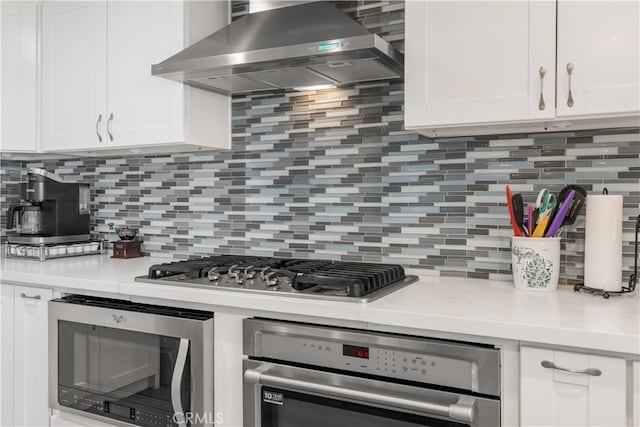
(470, 63)
(97, 85)
(74, 71)
(481, 67)
(18, 87)
(145, 109)
(599, 41)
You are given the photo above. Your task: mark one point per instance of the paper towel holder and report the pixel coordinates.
(632, 279)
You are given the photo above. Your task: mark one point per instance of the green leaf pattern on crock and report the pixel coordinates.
(537, 271)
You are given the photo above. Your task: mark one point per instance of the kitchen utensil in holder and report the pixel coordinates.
(632, 279)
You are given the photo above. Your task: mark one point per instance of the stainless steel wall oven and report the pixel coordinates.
(317, 376)
(133, 363)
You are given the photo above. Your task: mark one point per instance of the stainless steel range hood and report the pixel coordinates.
(311, 44)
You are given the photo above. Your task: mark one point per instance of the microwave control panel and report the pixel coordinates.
(97, 404)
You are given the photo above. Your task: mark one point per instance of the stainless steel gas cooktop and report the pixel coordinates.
(332, 280)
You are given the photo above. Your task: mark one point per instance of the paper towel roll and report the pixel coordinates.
(603, 243)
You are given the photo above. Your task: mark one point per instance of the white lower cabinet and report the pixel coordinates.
(574, 389)
(2, 347)
(25, 372)
(6, 358)
(635, 394)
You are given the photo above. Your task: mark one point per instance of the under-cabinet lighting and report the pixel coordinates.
(314, 87)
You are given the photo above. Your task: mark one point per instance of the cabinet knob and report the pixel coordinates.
(591, 371)
(541, 104)
(569, 72)
(98, 127)
(36, 297)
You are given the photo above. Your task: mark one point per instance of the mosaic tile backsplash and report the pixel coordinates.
(323, 188)
(11, 175)
(333, 174)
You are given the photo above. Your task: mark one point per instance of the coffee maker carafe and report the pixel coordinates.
(51, 211)
(25, 218)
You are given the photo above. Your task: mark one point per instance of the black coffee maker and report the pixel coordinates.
(51, 211)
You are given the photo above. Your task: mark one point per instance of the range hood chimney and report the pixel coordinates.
(308, 45)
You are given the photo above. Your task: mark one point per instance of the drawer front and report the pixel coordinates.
(564, 388)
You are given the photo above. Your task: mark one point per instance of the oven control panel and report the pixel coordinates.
(387, 362)
(467, 366)
(417, 367)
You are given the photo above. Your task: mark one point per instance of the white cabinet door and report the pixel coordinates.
(19, 72)
(601, 39)
(146, 109)
(478, 62)
(74, 75)
(635, 394)
(552, 397)
(31, 362)
(2, 338)
(6, 356)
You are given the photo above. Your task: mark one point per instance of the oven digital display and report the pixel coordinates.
(355, 351)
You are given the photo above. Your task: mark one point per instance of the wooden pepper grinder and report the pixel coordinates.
(129, 245)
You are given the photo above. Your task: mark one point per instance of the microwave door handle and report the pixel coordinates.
(463, 410)
(176, 382)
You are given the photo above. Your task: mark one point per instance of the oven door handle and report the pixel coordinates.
(176, 383)
(463, 410)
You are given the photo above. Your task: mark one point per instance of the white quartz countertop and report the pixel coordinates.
(497, 309)
(480, 308)
(94, 272)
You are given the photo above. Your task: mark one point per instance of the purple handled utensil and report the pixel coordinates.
(558, 219)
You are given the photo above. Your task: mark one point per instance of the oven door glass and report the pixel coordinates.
(123, 374)
(285, 408)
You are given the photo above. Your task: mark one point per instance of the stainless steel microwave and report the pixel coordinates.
(135, 364)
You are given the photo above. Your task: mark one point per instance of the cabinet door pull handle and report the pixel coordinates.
(109, 129)
(37, 297)
(570, 71)
(541, 104)
(98, 127)
(591, 371)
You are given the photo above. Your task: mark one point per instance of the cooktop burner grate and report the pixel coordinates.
(350, 279)
(199, 267)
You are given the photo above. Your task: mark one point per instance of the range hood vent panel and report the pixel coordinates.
(290, 77)
(229, 84)
(306, 39)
